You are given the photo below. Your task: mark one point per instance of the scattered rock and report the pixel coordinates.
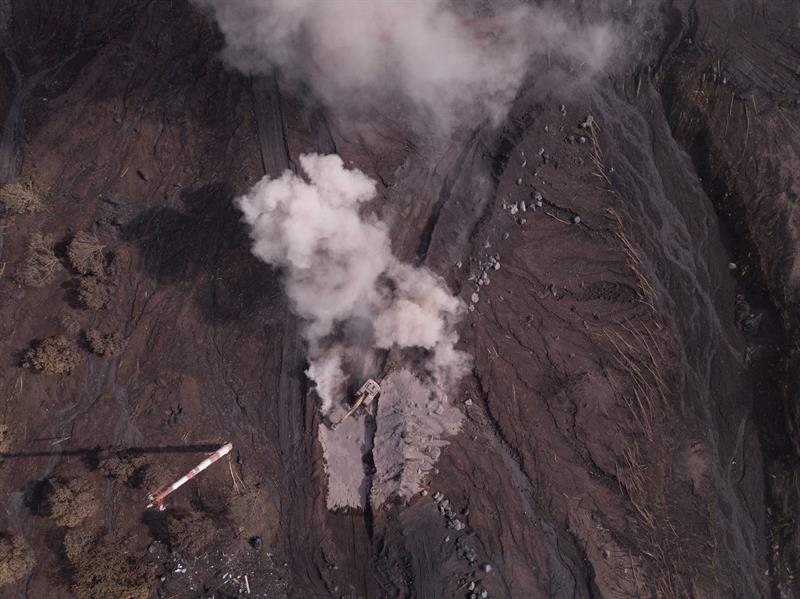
(474, 298)
(142, 175)
(519, 181)
(53, 355)
(588, 122)
(496, 266)
(486, 568)
(577, 220)
(732, 266)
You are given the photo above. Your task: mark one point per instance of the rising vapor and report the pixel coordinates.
(342, 278)
(438, 62)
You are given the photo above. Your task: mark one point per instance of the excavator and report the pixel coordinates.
(365, 395)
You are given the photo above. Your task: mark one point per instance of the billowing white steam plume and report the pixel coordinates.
(443, 60)
(342, 277)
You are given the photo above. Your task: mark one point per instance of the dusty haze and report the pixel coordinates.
(431, 60)
(343, 279)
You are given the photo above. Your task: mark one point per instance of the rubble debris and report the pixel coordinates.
(20, 198)
(16, 559)
(486, 568)
(466, 551)
(53, 355)
(103, 344)
(588, 122)
(576, 220)
(474, 298)
(86, 254)
(40, 263)
(732, 266)
(519, 181)
(68, 503)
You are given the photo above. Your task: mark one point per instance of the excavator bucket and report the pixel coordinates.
(365, 395)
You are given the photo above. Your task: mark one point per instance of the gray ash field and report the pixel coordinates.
(566, 249)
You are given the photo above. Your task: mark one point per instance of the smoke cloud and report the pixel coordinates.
(443, 62)
(342, 278)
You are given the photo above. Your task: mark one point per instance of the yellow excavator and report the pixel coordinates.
(365, 395)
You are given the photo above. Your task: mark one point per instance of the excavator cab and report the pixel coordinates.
(365, 395)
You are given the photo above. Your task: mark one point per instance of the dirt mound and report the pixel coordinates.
(53, 355)
(20, 198)
(40, 263)
(86, 254)
(16, 559)
(103, 344)
(190, 532)
(68, 503)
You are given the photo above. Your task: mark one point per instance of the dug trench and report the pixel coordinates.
(614, 439)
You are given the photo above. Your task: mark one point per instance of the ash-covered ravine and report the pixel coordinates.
(585, 417)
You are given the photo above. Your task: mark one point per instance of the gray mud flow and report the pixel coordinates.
(629, 425)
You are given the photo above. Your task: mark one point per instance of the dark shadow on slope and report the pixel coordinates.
(205, 244)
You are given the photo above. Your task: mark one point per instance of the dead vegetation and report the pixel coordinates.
(103, 568)
(96, 292)
(86, 254)
(5, 441)
(103, 344)
(40, 263)
(16, 559)
(190, 532)
(20, 198)
(53, 355)
(643, 358)
(127, 469)
(68, 503)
